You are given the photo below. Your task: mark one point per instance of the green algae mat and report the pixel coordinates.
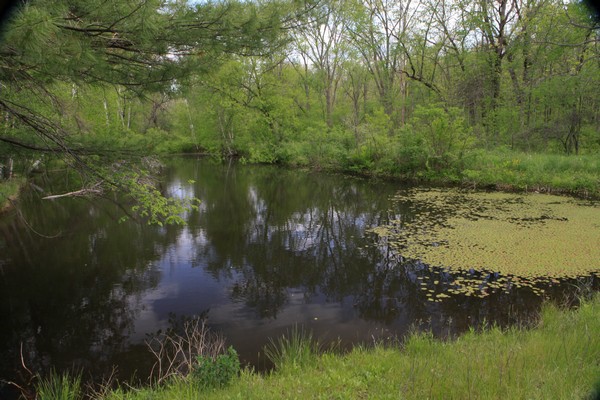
(518, 239)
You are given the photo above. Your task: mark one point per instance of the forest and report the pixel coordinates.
(486, 92)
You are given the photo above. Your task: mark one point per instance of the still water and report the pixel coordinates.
(268, 249)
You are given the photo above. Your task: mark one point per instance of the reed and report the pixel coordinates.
(296, 348)
(59, 387)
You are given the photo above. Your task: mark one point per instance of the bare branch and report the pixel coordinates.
(177, 353)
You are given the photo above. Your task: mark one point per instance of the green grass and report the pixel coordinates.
(535, 171)
(294, 350)
(559, 359)
(59, 387)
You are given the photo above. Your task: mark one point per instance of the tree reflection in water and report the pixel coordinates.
(268, 248)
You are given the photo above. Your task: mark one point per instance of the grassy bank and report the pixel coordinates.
(511, 171)
(502, 169)
(534, 171)
(558, 359)
(403, 156)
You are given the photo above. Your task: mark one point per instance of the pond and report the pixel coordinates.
(267, 250)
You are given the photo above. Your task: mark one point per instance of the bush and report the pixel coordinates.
(446, 135)
(216, 372)
(408, 153)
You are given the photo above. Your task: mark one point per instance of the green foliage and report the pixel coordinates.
(9, 189)
(59, 387)
(295, 350)
(409, 154)
(151, 205)
(546, 172)
(94, 77)
(217, 372)
(101, 78)
(445, 134)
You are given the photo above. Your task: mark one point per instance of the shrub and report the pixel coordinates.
(445, 133)
(216, 372)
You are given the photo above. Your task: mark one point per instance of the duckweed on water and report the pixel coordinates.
(506, 240)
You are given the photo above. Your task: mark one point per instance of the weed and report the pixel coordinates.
(59, 387)
(216, 372)
(297, 348)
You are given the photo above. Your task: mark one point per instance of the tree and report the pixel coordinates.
(321, 43)
(139, 47)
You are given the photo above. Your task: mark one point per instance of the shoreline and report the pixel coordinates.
(520, 362)
(437, 179)
(10, 190)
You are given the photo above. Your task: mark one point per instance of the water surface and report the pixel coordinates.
(267, 250)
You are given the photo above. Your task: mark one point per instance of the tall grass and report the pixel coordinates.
(297, 348)
(548, 172)
(401, 158)
(59, 387)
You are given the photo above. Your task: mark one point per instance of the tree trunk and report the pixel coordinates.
(106, 111)
(328, 106)
(571, 143)
(192, 131)
(121, 104)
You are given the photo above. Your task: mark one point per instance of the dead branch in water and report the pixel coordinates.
(95, 190)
